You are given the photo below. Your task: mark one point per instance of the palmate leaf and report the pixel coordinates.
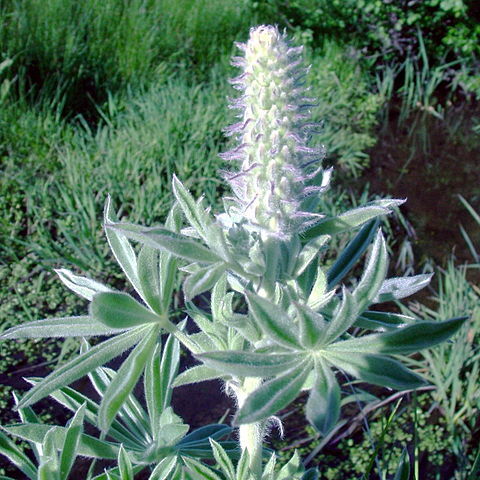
(308, 254)
(131, 413)
(163, 239)
(83, 326)
(196, 216)
(273, 321)
(274, 394)
(312, 326)
(351, 219)
(196, 374)
(343, 318)
(17, 457)
(83, 364)
(88, 446)
(48, 468)
(163, 469)
(83, 286)
(72, 400)
(353, 251)
(121, 248)
(151, 277)
(114, 473)
(323, 404)
(250, 364)
(401, 287)
(223, 460)
(126, 378)
(376, 369)
(202, 280)
(409, 339)
(119, 310)
(124, 464)
(373, 275)
(199, 471)
(72, 440)
(160, 373)
(374, 320)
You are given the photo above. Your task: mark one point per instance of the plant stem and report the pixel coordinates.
(251, 434)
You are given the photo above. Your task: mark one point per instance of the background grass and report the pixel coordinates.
(114, 97)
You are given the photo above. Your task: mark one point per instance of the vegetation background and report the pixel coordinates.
(115, 96)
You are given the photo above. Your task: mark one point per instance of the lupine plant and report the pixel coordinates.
(281, 320)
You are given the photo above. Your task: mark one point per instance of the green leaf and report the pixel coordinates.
(308, 254)
(17, 457)
(120, 246)
(318, 296)
(119, 310)
(158, 380)
(243, 469)
(376, 369)
(249, 364)
(373, 320)
(409, 339)
(195, 214)
(312, 326)
(273, 321)
(114, 473)
(83, 326)
(311, 474)
(323, 405)
(125, 379)
(88, 446)
(199, 373)
(163, 239)
(403, 470)
(273, 395)
(353, 251)
(198, 470)
(49, 468)
(269, 469)
(401, 287)
(202, 434)
(292, 469)
(203, 280)
(72, 440)
(131, 414)
(223, 459)
(343, 318)
(150, 277)
(85, 287)
(124, 464)
(73, 400)
(373, 275)
(349, 220)
(163, 469)
(81, 365)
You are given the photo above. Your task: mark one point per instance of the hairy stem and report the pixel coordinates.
(251, 434)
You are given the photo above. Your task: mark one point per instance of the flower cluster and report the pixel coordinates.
(273, 133)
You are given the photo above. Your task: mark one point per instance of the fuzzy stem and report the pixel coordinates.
(251, 434)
